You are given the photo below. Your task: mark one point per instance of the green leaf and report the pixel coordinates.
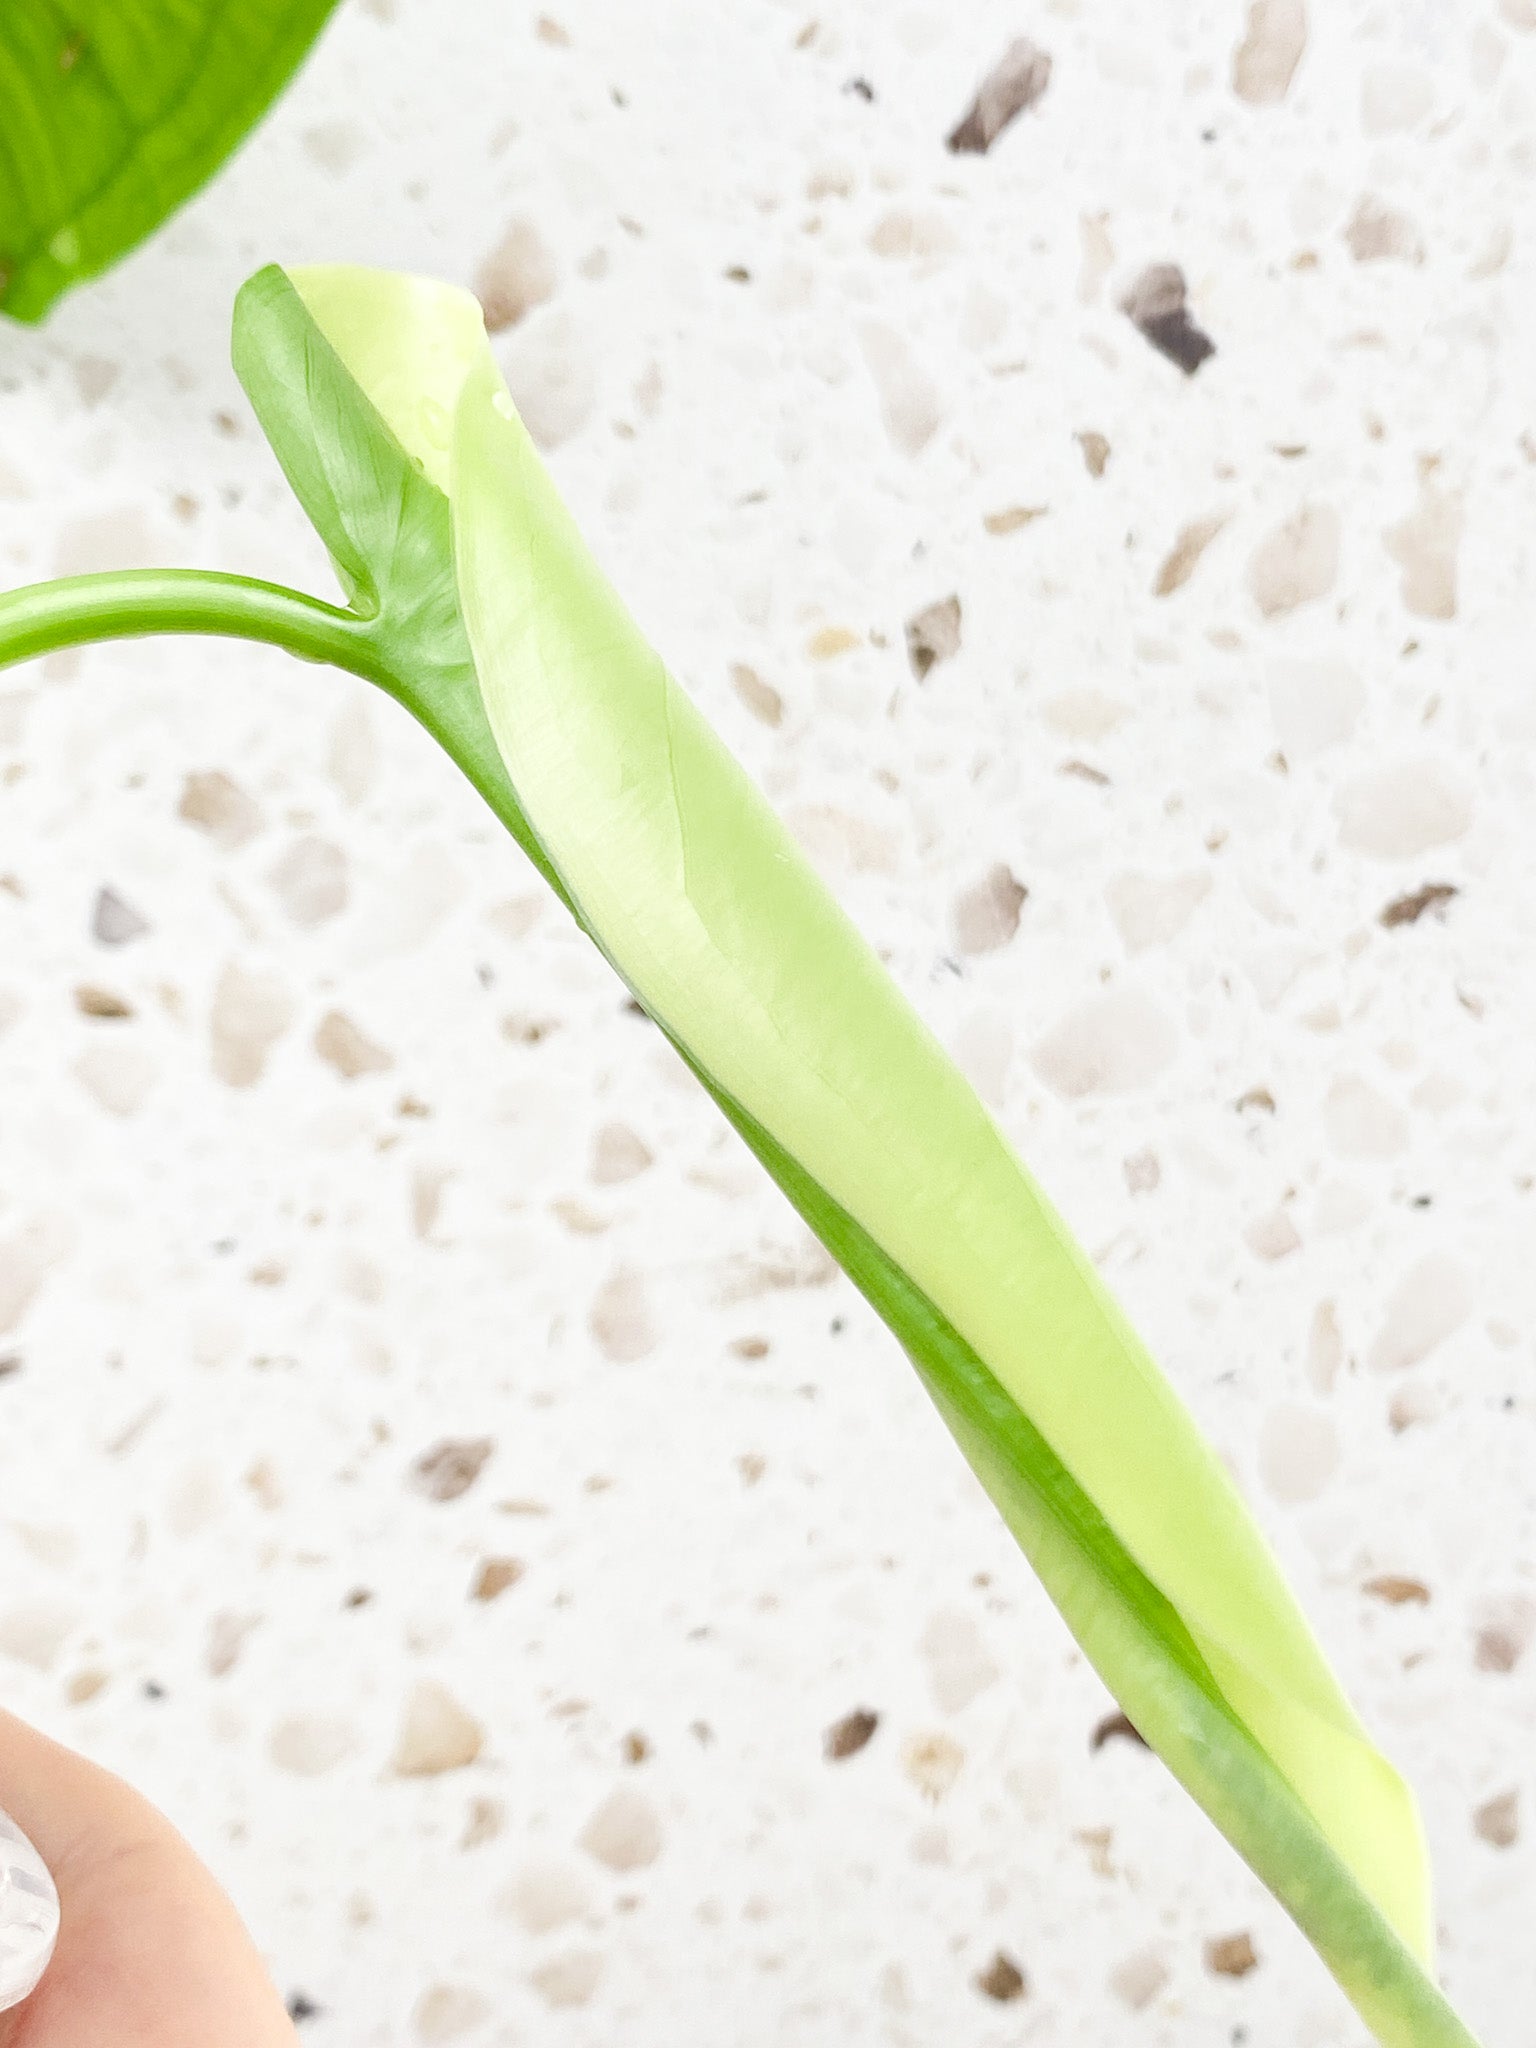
(112, 112)
(682, 873)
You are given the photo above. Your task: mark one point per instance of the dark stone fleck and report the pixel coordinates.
(1180, 340)
(1157, 304)
(847, 1737)
(1113, 1725)
(933, 635)
(1003, 1980)
(1231, 1955)
(495, 1575)
(1497, 1649)
(303, 2007)
(1434, 896)
(861, 87)
(1015, 82)
(1397, 1590)
(451, 1467)
(101, 1002)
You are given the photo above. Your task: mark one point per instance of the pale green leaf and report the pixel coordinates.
(708, 908)
(688, 881)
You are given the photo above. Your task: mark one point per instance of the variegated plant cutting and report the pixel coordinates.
(473, 600)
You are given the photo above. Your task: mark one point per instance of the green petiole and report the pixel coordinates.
(127, 604)
(136, 604)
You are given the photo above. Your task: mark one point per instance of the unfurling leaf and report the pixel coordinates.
(496, 627)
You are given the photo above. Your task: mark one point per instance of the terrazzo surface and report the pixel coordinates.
(436, 1466)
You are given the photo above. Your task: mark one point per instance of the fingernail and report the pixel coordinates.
(29, 1915)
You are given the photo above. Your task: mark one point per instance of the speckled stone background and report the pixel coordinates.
(436, 1467)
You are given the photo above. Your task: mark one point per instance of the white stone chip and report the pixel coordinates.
(1152, 910)
(568, 1981)
(1378, 233)
(114, 921)
(1404, 809)
(344, 1046)
(448, 2012)
(251, 1011)
(1429, 1303)
(436, 1734)
(27, 1255)
(986, 916)
(1298, 1453)
(1426, 545)
(1393, 97)
(310, 1745)
(550, 375)
(310, 881)
(1139, 1979)
(625, 1831)
(1108, 1045)
(618, 1154)
(910, 404)
(120, 1077)
(215, 802)
(1298, 563)
(1314, 704)
(1265, 61)
(1362, 1122)
(546, 1894)
(622, 1320)
(959, 1664)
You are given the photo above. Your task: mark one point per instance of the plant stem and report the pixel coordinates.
(122, 604)
(127, 603)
